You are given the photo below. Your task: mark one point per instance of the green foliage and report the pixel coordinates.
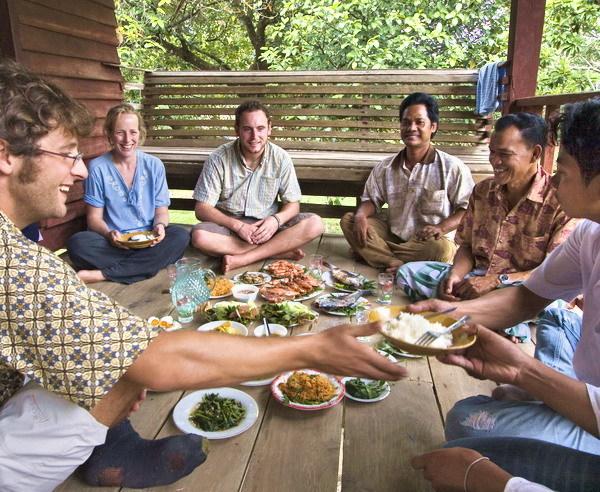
(570, 56)
(354, 34)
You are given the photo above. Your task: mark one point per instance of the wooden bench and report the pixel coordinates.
(336, 124)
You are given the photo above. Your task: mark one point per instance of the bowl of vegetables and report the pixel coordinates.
(216, 413)
(366, 390)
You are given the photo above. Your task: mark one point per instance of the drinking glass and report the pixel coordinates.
(172, 275)
(385, 285)
(316, 265)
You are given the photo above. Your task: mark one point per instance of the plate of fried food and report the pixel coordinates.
(216, 413)
(252, 278)
(221, 288)
(307, 390)
(137, 240)
(402, 329)
(284, 268)
(298, 288)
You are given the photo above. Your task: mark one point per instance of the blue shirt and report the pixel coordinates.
(127, 209)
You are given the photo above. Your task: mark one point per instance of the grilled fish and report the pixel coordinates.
(339, 300)
(345, 277)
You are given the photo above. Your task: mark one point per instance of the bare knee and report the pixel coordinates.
(203, 241)
(314, 226)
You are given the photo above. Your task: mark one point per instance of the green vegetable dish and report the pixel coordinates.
(287, 313)
(214, 413)
(365, 390)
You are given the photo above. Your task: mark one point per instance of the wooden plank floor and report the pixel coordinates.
(351, 447)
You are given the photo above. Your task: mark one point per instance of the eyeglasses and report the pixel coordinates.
(76, 157)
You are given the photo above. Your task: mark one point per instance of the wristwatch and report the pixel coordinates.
(503, 279)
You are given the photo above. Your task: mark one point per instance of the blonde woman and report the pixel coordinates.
(126, 190)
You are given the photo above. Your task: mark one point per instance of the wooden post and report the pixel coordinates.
(7, 47)
(524, 44)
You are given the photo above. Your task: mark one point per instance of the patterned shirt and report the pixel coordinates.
(127, 209)
(71, 340)
(227, 184)
(517, 240)
(429, 194)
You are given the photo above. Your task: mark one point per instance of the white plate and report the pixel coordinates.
(382, 396)
(337, 313)
(258, 382)
(221, 297)
(211, 326)
(266, 277)
(310, 296)
(282, 378)
(181, 412)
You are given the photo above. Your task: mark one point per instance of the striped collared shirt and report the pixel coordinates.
(430, 193)
(227, 184)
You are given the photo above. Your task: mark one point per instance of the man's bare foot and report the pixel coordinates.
(91, 276)
(508, 392)
(295, 254)
(231, 262)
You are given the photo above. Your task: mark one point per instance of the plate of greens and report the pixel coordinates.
(366, 390)
(216, 413)
(288, 313)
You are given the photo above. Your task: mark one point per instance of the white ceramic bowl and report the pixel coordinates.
(278, 330)
(245, 292)
(212, 326)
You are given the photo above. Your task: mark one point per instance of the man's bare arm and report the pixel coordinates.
(190, 360)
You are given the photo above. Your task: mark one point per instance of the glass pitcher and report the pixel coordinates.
(191, 288)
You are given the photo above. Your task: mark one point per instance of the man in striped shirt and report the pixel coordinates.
(236, 197)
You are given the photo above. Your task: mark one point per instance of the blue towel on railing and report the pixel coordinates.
(488, 88)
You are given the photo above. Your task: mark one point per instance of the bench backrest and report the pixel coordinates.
(353, 111)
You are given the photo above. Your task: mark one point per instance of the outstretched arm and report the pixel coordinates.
(493, 357)
(190, 360)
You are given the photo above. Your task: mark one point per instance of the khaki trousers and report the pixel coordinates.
(383, 248)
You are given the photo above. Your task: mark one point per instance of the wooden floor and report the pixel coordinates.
(350, 447)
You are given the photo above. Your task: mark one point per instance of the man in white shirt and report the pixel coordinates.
(427, 192)
(549, 399)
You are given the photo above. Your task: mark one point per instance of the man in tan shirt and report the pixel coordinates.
(427, 192)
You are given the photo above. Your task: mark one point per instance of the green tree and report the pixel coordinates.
(354, 34)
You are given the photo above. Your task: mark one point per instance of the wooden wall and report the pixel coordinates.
(74, 44)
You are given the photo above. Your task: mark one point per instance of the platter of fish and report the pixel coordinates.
(342, 303)
(346, 281)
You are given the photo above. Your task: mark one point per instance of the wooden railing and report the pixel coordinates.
(548, 107)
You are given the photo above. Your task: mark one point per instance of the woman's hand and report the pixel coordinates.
(114, 237)
(446, 470)
(159, 231)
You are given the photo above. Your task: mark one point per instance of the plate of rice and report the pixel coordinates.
(402, 329)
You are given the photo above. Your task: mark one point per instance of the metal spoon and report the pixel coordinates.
(266, 325)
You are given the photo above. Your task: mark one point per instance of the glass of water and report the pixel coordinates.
(316, 265)
(385, 287)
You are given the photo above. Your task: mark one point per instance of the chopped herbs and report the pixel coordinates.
(215, 413)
